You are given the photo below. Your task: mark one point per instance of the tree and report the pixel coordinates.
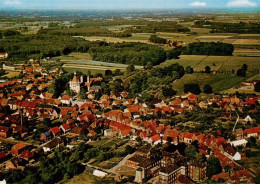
(149, 66)
(207, 69)
(117, 72)
(193, 88)
(241, 72)
(129, 149)
(168, 92)
(130, 68)
(257, 87)
(213, 166)
(82, 93)
(108, 73)
(244, 67)
(189, 70)
(2, 72)
(174, 53)
(207, 89)
(251, 142)
(190, 152)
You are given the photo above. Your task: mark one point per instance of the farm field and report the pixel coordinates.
(222, 63)
(247, 42)
(218, 82)
(246, 52)
(94, 67)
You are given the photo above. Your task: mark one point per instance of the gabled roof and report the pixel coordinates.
(252, 130)
(26, 154)
(65, 126)
(55, 130)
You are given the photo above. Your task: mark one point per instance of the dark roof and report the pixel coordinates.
(142, 161)
(169, 169)
(184, 179)
(53, 143)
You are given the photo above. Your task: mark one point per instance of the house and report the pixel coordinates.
(77, 131)
(26, 155)
(184, 179)
(238, 133)
(46, 136)
(156, 139)
(241, 142)
(254, 132)
(55, 131)
(65, 128)
(143, 165)
(65, 99)
(170, 173)
(187, 137)
(4, 132)
(54, 143)
(4, 55)
(99, 173)
(196, 170)
(248, 119)
(18, 148)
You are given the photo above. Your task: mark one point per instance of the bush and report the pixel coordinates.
(207, 89)
(192, 88)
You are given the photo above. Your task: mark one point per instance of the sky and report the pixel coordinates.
(127, 4)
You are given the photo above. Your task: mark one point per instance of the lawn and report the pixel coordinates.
(218, 82)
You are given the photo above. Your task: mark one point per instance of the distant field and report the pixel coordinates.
(247, 42)
(94, 67)
(222, 63)
(246, 52)
(185, 60)
(218, 82)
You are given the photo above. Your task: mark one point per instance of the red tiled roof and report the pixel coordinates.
(156, 138)
(65, 97)
(17, 147)
(66, 126)
(252, 130)
(55, 130)
(2, 155)
(26, 154)
(4, 129)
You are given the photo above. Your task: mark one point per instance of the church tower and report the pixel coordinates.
(75, 83)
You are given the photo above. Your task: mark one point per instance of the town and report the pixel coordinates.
(55, 125)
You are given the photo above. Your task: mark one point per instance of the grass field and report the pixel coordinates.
(86, 178)
(217, 63)
(218, 82)
(11, 74)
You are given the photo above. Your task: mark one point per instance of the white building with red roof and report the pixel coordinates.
(75, 83)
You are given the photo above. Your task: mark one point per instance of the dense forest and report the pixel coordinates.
(129, 53)
(23, 47)
(222, 27)
(209, 48)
